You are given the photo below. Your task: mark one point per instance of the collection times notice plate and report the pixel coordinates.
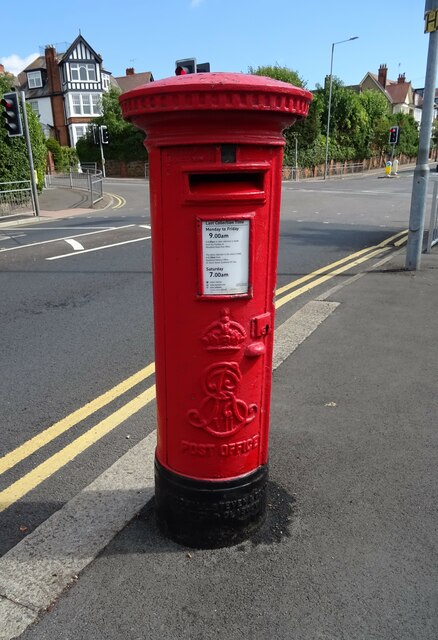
(225, 257)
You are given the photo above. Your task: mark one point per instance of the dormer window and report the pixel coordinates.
(34, 79)
(83, 72)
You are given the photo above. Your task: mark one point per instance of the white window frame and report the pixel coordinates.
(34, 79)
(35, 107)
(80, 127)
(96, 104)
(81, 72)
(105, 81)
(85, 104)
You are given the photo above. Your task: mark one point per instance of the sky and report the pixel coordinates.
(232, 35)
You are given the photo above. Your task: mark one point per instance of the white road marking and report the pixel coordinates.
(59, 228)
(77, 246)
(145, 226)
(107, 246)
(78, 235)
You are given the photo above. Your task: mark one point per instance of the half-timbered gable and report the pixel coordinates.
(81, 68)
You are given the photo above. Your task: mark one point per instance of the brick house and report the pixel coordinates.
(65, 89)
(399, 93)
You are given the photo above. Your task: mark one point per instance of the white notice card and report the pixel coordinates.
(225, 256)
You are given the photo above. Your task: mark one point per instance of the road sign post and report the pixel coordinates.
(29, 155)
(421, 173)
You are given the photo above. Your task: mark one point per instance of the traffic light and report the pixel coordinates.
(104, 135)
(183, 67)
(188, 65)
(394, 135)
(12, 114)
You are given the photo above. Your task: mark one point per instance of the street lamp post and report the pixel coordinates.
(330, 101)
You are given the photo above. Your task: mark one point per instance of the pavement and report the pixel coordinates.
(349, 547)
(58, 203)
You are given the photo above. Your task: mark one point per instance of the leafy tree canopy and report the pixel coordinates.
(278, 73)
(302, 135)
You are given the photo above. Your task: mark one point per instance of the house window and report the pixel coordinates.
(76, 100)
(81, 131)
(83, 72)
(95, 100)
(86, 104)
(35, 107)
(34, 79)
(105, 82)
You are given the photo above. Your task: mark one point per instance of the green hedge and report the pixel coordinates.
(63, 157)
(14, 162)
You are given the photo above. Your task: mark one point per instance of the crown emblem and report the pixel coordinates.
(224, 334)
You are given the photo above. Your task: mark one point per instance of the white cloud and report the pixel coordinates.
(15, 64)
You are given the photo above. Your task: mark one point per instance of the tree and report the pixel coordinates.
(305, 132)
(377, 110)
(348, 120)
(409, 135)
(278, 73)
(14, 163)
(126, 141)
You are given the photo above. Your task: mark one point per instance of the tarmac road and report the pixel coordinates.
(348, 550)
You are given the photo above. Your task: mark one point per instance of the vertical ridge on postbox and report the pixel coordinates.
(215, 151)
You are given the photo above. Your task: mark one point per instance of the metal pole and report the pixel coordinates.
(330, 102)
(101, 152)
(296, 158)
(432, 223)
(328, 115)
(90, 185)
(29, 155)
(421, 173)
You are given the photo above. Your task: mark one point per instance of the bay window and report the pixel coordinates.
(85, 104)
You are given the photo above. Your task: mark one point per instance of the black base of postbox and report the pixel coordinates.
(207, 515)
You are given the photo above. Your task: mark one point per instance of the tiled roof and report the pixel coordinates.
(398, 91)
(126, 83)
(38, 63)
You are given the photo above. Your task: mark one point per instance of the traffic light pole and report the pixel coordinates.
(29, 155)
(421, 173)
(101, 153)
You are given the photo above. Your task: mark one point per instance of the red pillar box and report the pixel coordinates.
(215, 152)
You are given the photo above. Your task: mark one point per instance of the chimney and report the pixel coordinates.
(383, 71)
(52, 70)
(56, 98)
(2, 69)
(401, 78)
(130, 71)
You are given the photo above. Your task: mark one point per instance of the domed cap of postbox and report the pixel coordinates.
(197, 97)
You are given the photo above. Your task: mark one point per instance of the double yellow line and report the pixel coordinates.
(54, 463)
(121, 202)
(336, 268)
